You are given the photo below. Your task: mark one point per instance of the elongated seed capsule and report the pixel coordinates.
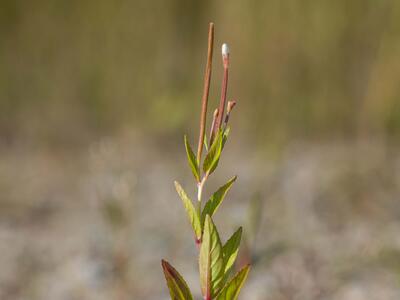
(225, 60)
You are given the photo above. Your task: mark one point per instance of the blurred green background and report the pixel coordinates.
(75, 69)
(96, 95)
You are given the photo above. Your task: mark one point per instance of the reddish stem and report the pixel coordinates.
(223, 94)
(207, 78)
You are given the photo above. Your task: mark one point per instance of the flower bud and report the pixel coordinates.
(231, 105)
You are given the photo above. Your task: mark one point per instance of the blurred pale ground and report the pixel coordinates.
(95, 97)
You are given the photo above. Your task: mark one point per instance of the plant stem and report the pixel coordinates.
(200, 186)
(199, 193)
(207, 78)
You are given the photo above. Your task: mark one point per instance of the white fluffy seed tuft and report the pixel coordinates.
(225, 50)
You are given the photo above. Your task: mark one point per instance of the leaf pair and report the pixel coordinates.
(212, 158)
(210, 207)
(216, 261)
(213, 155)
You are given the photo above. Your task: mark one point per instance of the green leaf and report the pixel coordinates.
(232, 288)
(191, 157)
(216, 199)
(205, 142)
(212, 157)
(211, 261)
(225, 136)
(231, 249)
(178, 289)
(190, 210)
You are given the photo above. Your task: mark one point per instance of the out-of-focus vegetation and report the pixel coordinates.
(95, 97)
(308, 69)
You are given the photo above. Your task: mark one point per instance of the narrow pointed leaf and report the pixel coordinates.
(212, 157)
(225, 136)
(211, 261)
(216, 199)
(191, 157)
(205, 142)
(178, 289)
(190, 210)
(232, 288)
(231, 249)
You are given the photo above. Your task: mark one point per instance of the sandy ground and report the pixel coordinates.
(321, 221)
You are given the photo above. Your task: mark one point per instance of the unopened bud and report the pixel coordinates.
(215, 114)
(231, 105)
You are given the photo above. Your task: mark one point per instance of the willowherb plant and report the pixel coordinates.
(216, 260)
